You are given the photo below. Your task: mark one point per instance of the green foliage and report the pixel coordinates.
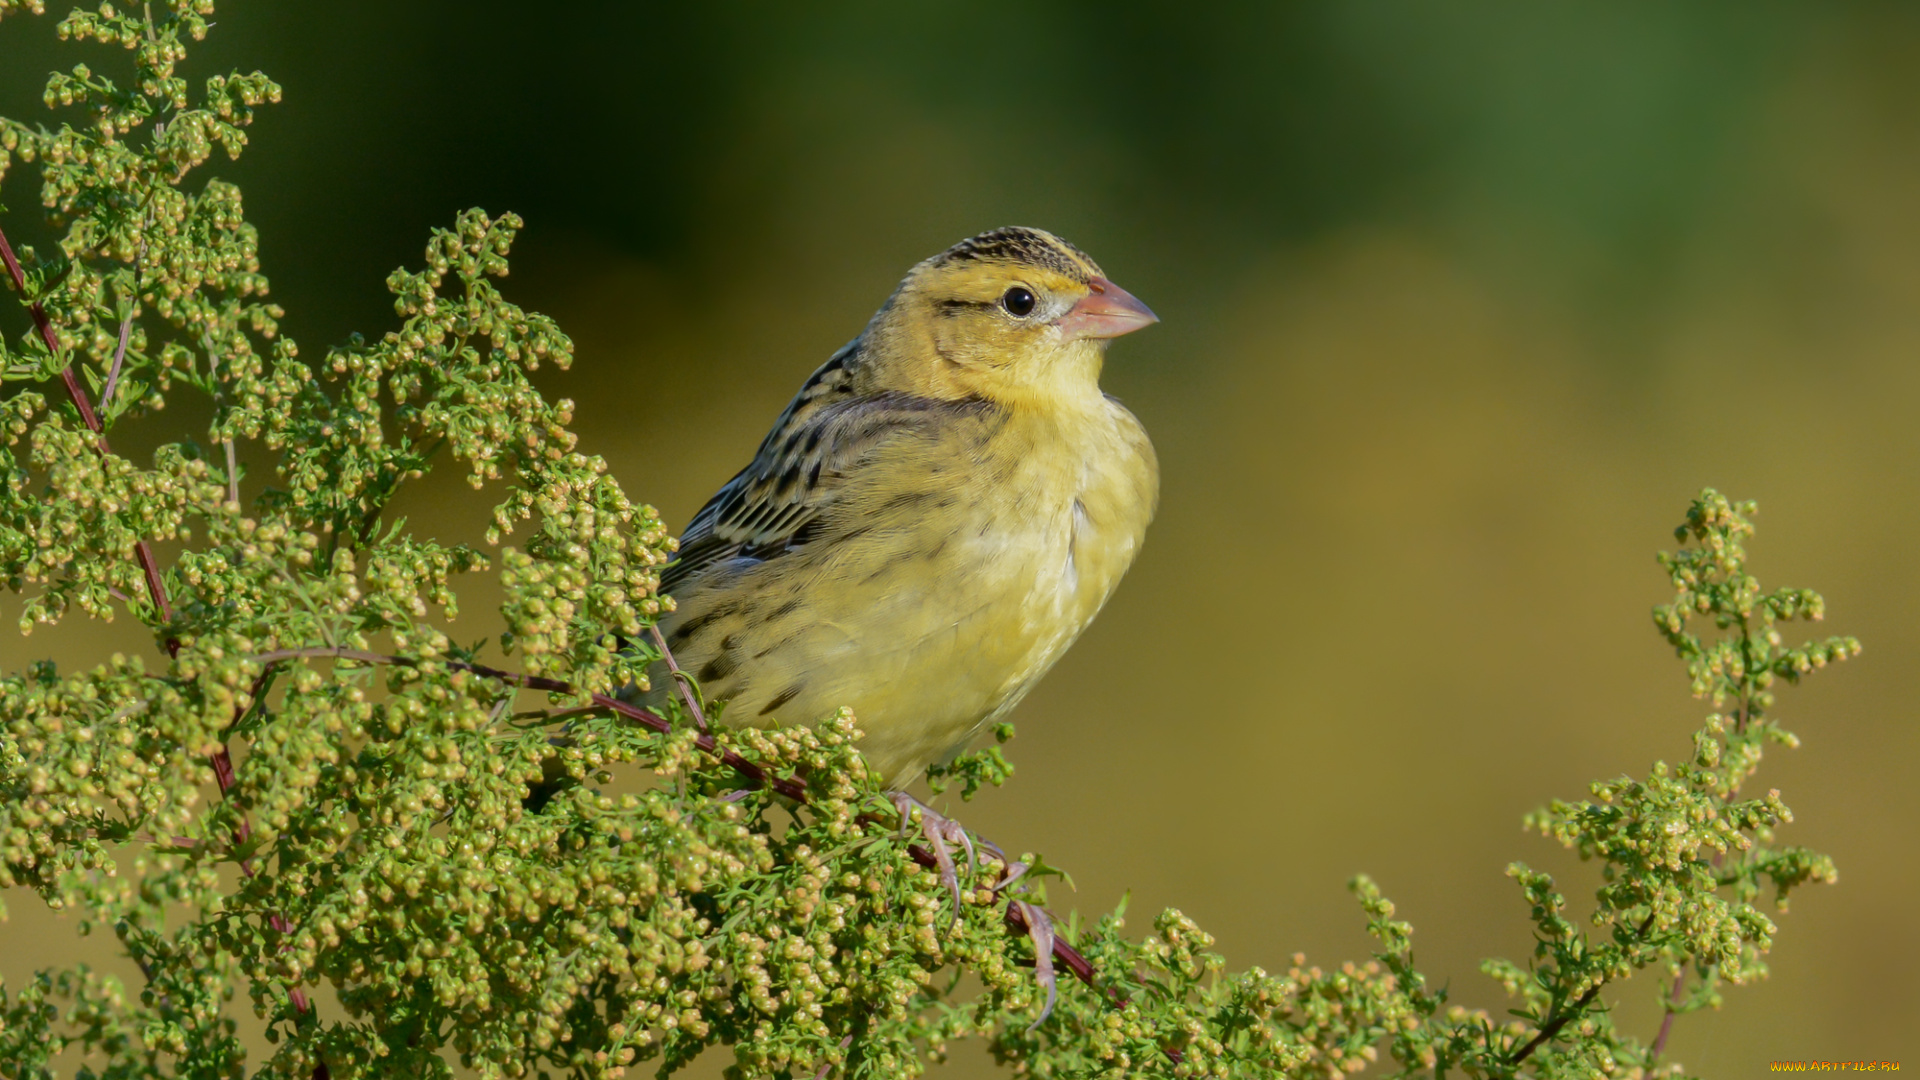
(308, 782)
(975, 769)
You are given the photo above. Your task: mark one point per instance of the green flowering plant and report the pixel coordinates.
(311, 781)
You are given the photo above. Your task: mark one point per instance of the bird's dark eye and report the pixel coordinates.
(1018, 301)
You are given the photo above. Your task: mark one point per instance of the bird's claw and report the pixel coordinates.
(1040, 929)
(940, 831)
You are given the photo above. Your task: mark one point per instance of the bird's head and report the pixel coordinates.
(1011, 315)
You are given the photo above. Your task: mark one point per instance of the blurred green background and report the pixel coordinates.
(1462, 304)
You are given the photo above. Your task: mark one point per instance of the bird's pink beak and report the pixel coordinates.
(1106, 312)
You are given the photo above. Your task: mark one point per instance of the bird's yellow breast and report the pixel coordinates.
(955, 569)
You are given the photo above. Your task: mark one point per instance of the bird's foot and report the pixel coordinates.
(940, 832)
(1039, 926)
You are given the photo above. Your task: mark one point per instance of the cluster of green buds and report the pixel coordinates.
(418, 852)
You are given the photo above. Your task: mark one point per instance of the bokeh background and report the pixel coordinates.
(1462, 304)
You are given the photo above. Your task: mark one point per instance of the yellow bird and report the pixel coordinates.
(937, 515)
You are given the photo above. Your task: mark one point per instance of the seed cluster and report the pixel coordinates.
(311, 780)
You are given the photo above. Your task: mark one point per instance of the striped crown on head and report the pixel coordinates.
(1032, 247)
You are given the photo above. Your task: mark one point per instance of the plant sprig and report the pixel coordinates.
(375, 826)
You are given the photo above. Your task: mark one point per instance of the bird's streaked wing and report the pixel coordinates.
(775, 504)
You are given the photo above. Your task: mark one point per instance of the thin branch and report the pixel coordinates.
(796, 790)
(1666, 1022)
(827, 1066)
(223, 775)
(157, 589)
(52, 340)
(555, 716)
(390, 487)
(119, 357)
(1075, 961)
(219, 399)
(126, 324)
(303, 1008)
(233, 476)
(326, 652)
(142, 551)
(1552, 1027)
(1554, 1023)
(679, 678)
(791, 788)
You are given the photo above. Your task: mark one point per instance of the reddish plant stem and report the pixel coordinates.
(796, 790)
(1666, 1022)
(142, 551)
(223, 761)
(679, 681)
(223, 776)
(1074, 960)
(793, 789)
(74, 389)
(1680, 981)
(126, 329)
(119, 358)
(149, 566)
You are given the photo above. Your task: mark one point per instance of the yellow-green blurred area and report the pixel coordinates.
(1462, 303)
